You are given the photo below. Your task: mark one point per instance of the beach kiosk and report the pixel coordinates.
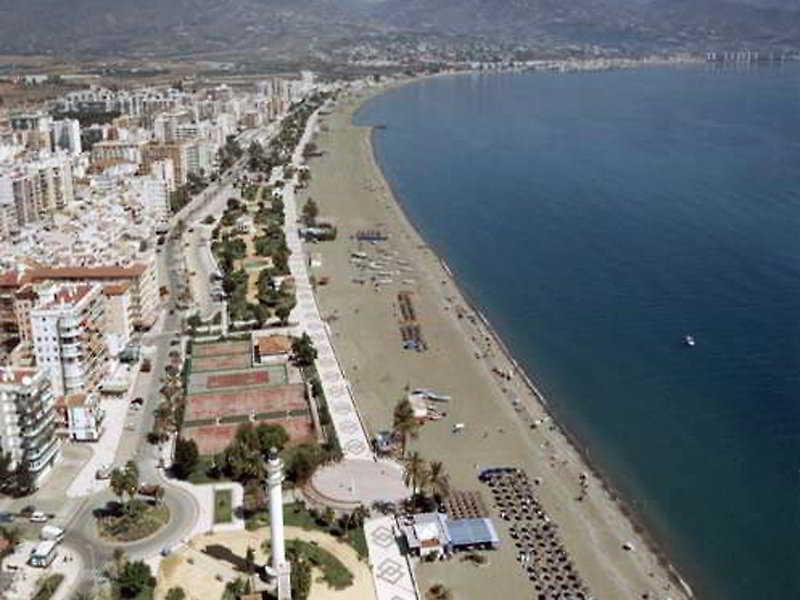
(435, 534)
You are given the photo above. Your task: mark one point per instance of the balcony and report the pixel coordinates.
(68, 323)
(42, 461)
(71, 351)
(33, 451)
(37, 429)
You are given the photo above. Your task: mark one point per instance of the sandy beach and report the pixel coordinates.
(505, 423)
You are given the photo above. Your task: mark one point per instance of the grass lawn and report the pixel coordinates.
(296, 515)
(48, 587)
(133, 527)
(357, 539)
(334, 573)
(200, 473)
(223, 509)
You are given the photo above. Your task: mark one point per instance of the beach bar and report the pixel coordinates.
(434, 533)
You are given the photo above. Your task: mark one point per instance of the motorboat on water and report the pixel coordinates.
(689, 341)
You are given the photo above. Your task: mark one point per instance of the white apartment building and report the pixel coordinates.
(27, 420)
(155, 195)
(32, 130)
(176, 152)
(200, 157)
(112, 152)
(66, 135)
(84, 417)
(165, 171)
(67, 334)
(119, 316)
(32, 191)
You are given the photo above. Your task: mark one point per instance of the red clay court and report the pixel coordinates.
(225, 390)
(221, 362)
(278, 399)
(226, 380)
(212, 439)
(220, 349)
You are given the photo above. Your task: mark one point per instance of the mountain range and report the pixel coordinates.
(316, 27)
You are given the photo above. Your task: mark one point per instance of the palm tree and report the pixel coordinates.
(357, 517)
(118, 561)
(405, 424)
(118, 484)
(438, 481)
(416, 473)
(125, 482)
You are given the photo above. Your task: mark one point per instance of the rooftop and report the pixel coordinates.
(273, 345)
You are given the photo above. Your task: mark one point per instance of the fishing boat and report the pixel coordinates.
(689, 341)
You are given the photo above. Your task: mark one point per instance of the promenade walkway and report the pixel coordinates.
(344, 414)
(391, 572)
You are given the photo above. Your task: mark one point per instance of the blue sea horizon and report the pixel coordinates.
(599, 218)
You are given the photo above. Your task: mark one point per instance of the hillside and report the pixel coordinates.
(306, 28)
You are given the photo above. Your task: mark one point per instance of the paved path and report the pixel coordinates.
(346, 421)
(391, 572)
(348, 483)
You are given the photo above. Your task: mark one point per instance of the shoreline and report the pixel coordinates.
(638, 521)
(606, 512)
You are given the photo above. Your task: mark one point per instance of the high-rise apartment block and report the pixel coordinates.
(27, 420)
(67, 333)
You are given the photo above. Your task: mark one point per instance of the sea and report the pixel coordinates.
(598, 218)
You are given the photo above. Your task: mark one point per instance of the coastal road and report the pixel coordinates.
(81, 533)
(81, 538)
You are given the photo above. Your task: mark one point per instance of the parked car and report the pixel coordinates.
(38, 517)
(51, 532)
(6, 517)
(146, 365)
(137, 402)
(151, 490)
(104, 472)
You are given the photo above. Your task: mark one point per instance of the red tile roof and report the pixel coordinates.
(102, 272)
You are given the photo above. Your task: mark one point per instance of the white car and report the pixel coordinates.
(38, 517)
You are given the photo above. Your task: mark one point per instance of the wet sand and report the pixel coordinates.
(462, 360)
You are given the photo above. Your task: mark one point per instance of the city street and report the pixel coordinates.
(72, 493)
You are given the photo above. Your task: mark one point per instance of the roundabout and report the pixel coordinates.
(127, 525)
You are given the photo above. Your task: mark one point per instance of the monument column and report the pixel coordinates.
(280, 567)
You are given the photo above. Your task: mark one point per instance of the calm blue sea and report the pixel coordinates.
(598, 218)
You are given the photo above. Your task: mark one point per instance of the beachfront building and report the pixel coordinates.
(434, 534)
(67, 332)
(140, 277)
(27, 420)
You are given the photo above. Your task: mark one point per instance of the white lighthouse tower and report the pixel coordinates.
(280, 567)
